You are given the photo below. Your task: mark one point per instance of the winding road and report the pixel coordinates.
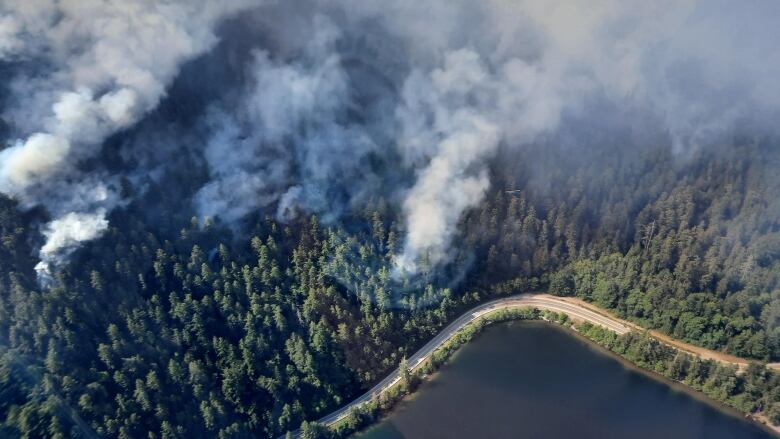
(541, 301)
(576, 309)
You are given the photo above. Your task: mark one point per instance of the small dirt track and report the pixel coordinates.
(576, 309)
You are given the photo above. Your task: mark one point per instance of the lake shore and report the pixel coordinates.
(387, 402)
(581, 376)
(758, 420)
(595, 324)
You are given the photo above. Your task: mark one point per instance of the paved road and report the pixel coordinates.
(540, 301)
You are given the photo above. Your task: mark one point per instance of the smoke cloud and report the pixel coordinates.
(65, 234)
(102, 66)
(505, 73)
(339, 101)
(294, 139)
(9, 42)
(453, 120)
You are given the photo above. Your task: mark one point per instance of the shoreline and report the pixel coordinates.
(701, 352)
(571, 331)
(676, 385)
(385, 394)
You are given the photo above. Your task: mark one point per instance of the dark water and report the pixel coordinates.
(534, 380)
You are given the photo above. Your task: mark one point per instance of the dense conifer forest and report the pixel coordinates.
(223, 219)
(170, 326)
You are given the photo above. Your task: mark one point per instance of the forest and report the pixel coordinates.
(170, 326)
(225, 219)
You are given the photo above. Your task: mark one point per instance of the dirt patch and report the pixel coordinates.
(701, 352)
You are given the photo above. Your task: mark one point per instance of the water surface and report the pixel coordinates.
(535, 380)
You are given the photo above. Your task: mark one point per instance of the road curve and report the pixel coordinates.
(540, 301)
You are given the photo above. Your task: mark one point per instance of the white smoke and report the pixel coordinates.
(249, 157)
(290, 138)
(348, 99)
(107, 64)
(453, 121)
(243, 177)
(28, 161)
(65, 234)
(518, 68)
(9, 40)
(479, 76)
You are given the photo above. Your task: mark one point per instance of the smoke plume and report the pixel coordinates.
(326, 104)
(103, 65)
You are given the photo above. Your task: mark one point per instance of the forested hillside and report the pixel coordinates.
(687, 247)
(172, 327)
(189, 336)
(224, 218)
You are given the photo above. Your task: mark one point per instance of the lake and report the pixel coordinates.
(536, 380)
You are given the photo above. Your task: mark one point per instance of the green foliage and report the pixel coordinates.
(751, 391)
(405, 374)
(156, 335)
(166, 327)
(691, 249)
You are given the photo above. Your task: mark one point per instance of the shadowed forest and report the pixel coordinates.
(224, 219)
(180, 328)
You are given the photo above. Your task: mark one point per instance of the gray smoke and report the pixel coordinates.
(292, 139)
(344, 100)
(9, 41)
(103, 65)
(453, 120)
(252, 153)
(508, 72)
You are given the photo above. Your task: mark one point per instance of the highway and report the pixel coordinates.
(540, 301)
